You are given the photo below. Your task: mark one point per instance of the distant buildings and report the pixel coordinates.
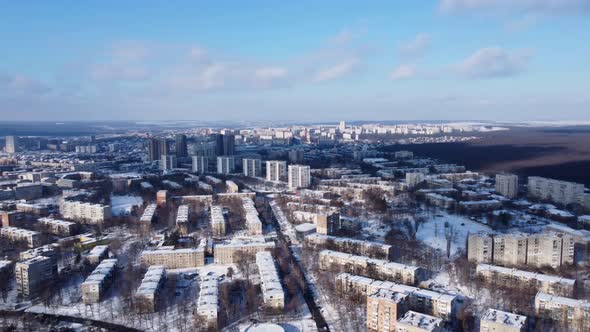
(91, 213)
(225, 165)
(561, 192)
(168, 162)
(157, 148)
(507, 185)
(149, 214)
(552, 249)
(58, 227)
(225, 144)
(33, 274)
(252, 167)
(228, 253)
(11, 145)
(94, 287)
(253, 222)
(181, 146)
(182, 219)
(200, 164)
(414, 178)
(276, 170)
(299, 176)
(296, 156)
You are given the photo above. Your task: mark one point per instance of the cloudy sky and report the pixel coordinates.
(295, 60)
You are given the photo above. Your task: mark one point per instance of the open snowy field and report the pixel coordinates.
(122, 205)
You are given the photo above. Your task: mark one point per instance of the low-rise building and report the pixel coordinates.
(401, 273)
(272, 290)
(58, 227)
(416, 322)
(225, 253)
(87, 212)
(352, 246)
(542, 282)
(30, 238)
(217, 221)
(175, 258)
(182, 219)
(149, 214)
(208, 301)
(253, 222)
(97, 254)
(33, 274)
(501, 321)
(575, 314)
(95, 286)
(148, 294)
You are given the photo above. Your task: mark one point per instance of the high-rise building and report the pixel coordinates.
(507, 185)
(252, 167)
(168, 162)
(342, 126)
(225, 165)
(181, 147)
(200, 164)
(11, 144)
(296, 156)
(383, 310)
(157, 148)
(557, 191)
(225, 144)
(276, 170)
(299, 176)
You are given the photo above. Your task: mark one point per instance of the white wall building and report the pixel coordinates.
(276, 170)
(299, 176)
(252, 167)
(225, 165)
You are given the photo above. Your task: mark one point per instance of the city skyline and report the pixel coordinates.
(448, 60)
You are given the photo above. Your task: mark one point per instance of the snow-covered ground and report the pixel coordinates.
(122, 205)
(433, 232)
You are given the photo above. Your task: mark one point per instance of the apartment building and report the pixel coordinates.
(208, 301)
(148, 295)
(252, 167)
(97, 254)
(276, 170)
(500, 321)
(546, 283)
(328, 224)
(542, 249)
(87, 212)
(384, 308)
(162, 198)
(561, 192)
(149, 214)
(33, 274)
(414, 178)
(352, 246)
(396, 272)
(231, 187)
(253, 222)
(437, 304)
(225, 165)
(217, 221)
(226, 253)
(14, 234)
(58, 227)
(182, 219)
(98, 282)
(175, 258)
(299, 176)
(200, 164)
(575, 314)
(416, 322)
(507, 185)
(441, 201)
(272, 290)
(168, 162)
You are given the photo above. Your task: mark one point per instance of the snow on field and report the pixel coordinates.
(122, 205)
(432, 232)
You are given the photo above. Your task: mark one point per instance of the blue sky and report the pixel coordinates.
(505, 60)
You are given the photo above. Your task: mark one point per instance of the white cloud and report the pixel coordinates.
(118, 72)
(130, 51)
(336, 71)
(493, 62)
(550, 7)
(415, 47)
(403, 71)
(270, 73)
(21, 85)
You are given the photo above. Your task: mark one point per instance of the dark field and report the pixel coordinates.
(561, 153)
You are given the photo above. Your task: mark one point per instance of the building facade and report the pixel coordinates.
(507, 185)
(299, 176)
(276, 170)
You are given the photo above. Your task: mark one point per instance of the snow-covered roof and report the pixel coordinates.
(504, 318)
